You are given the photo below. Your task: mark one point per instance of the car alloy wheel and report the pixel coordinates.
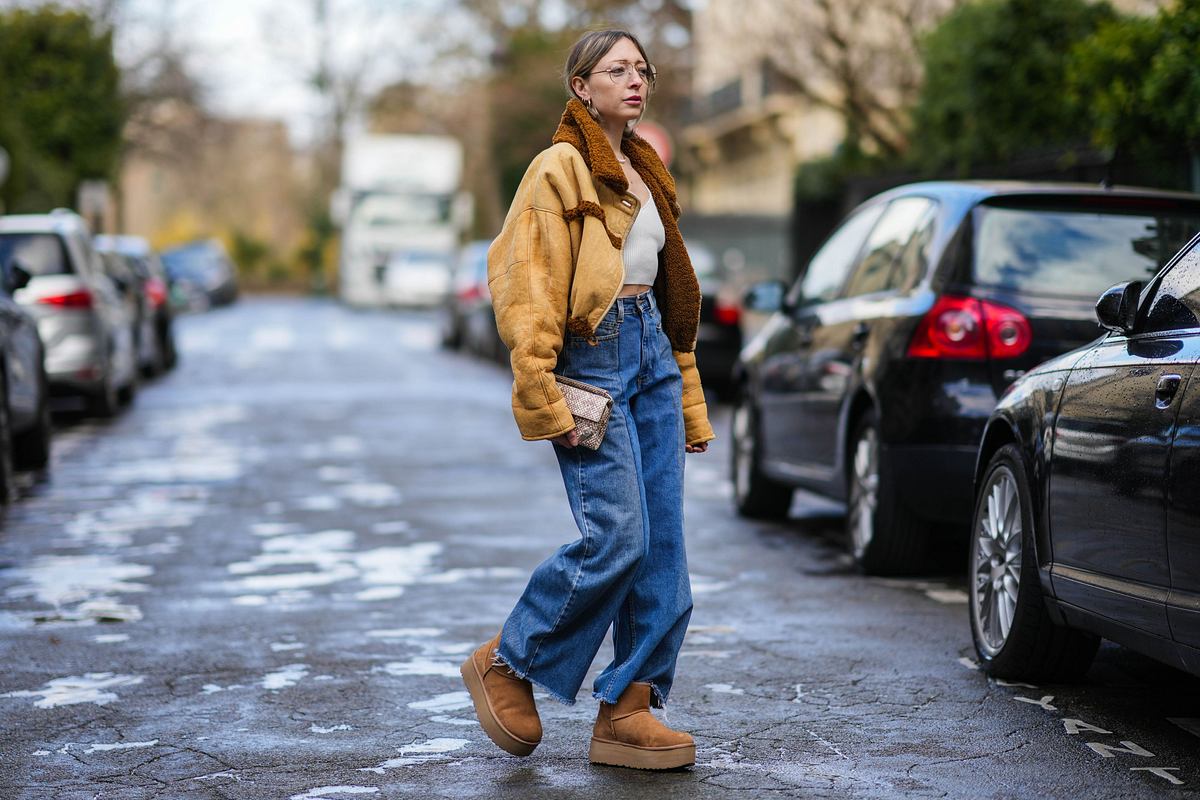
(996, 561)
(864, 491)
(743, 451)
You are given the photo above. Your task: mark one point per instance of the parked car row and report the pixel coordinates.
(468, 323)
(83, 316)
(900, 375)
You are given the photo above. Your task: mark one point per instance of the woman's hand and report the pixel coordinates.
(567, 440)
(701, 447)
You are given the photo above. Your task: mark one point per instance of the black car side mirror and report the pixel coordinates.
(16, 276)
(1116, 309)
(766, 297)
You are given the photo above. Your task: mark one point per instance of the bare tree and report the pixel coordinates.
(859, 58)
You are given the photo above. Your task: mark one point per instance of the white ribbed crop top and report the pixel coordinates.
(645, 239)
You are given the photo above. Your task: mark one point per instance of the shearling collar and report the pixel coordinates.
(675, 286)
(578, 129)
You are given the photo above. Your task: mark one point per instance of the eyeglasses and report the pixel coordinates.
(620, 73)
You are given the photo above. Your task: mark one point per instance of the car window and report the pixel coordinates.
(895, 251)
(39, 253)
(1077, 252)
(828, 268)
(1176, 300)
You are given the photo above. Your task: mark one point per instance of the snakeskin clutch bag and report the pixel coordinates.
(591, 407)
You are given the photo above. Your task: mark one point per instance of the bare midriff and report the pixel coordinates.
(633, 288)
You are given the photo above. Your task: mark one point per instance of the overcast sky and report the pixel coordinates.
(253, 55)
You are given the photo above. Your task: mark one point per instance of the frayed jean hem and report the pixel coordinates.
(657, 698)
(524, 675)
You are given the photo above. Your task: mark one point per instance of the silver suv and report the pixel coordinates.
(85, 327)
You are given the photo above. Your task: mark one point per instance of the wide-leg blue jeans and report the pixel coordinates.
(628, 568)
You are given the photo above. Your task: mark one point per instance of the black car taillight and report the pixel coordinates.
(967, 328)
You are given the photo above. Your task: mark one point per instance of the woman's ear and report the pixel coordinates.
(579, 85)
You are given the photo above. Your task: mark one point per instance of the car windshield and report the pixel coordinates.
(39, 253)
(1077, 252)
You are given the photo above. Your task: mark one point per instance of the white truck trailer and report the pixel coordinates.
(402, 215)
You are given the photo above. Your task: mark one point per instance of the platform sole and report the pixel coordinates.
(615, 754)
(483, 710)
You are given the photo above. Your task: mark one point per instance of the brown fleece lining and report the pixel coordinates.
(579, 326)
(590, 209)
(676, 286)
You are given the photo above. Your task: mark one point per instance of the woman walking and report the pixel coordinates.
(590, 280)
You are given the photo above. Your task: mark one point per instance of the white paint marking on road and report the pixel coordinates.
(1044, 703)
(283, 678)
(1162, 772)
(250, 600)
(379, 593)
(1074, 726)
(1129, 748)
(63, 580)
(318, 503)
(723, 688)
(702, 584)
(92, 687)
(474, 573)
(450, 701)
(111, 638)
(100, 748)
(718, 629)
(337, 474)
(419, 753)
(389, 528)
(228, 773)
(406, 633)
(799, 693)
(318, 729)
(372, 495)
(445, 720)
(1014, 684)
(969, 663)
(421, 666)
(1189, 724)
(707, 653)
(826, 743)
(274, 528)
(280, 647)
(40, 752)
(212, 688)
(948, 596)
(328, 791)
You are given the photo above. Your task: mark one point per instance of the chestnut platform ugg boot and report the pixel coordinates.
(503, 701)
(628, 735)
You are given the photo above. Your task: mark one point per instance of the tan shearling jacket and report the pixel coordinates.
(557, 266)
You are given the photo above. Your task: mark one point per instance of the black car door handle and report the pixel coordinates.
(1164, 393)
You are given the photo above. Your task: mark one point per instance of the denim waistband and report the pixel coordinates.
(635, 304)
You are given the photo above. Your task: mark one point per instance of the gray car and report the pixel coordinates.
(83, 322)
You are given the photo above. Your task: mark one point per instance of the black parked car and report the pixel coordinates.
(719, 335)
(203, 271)
(156, 343)
(25, 425)
(874, 380)
(1087, 521)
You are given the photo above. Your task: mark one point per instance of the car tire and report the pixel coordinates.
(103, 401)
(8, 475)
(166, 342)
(754, 494)
(884, 535)
(1011, 627)
(128, 393)
(31, 449)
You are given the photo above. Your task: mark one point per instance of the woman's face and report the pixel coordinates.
(623, 98)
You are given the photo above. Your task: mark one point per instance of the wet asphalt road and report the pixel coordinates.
(259, 583)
